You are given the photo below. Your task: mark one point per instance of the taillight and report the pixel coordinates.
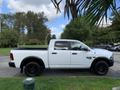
(11, 56)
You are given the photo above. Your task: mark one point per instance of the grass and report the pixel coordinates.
(5, 51)
(63, 83)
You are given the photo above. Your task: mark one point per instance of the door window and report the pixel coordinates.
(61, 45)
(77, 46)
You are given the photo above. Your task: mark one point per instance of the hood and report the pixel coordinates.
(102, 52)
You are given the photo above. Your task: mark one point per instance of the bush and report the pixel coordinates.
(32, 42)
(8, 38)
(90, 43)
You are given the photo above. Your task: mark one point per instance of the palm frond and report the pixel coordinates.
(95, 10)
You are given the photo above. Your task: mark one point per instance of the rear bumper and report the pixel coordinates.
(11, 64)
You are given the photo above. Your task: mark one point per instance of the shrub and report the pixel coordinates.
(32, 42)
(8, 38)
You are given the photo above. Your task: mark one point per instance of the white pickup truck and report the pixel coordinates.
(61, 54)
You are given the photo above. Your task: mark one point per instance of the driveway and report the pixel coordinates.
(6, 71)
(115, 70)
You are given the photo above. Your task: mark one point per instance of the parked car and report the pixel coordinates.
(104, 46)
(61, 54)
(115, 48)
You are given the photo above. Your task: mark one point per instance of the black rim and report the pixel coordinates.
(102, 69)
(32, 69)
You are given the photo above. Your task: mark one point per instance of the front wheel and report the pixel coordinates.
(33, 69)
(101, 68)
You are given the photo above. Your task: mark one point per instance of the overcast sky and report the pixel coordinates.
(34, 5)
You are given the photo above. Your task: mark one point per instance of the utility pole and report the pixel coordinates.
(48, 33)
(0, 23)
(1, 1)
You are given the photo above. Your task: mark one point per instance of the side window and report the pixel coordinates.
(75, 46)
(61, 45)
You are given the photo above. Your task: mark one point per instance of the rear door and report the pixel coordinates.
(59, 56)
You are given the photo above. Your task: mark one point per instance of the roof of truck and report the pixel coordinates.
(64, 40)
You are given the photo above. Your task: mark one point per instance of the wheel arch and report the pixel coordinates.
(31, 59)
(100, 59)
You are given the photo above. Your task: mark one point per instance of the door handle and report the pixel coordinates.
(54, 52)
(74, 53)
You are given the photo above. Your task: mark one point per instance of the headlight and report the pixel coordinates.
(112, 57)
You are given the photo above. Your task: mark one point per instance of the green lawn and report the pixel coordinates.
(63, 83)
(5, 51)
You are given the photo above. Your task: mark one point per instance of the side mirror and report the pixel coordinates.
(85, 49)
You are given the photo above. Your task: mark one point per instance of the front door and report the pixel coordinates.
(79, 57)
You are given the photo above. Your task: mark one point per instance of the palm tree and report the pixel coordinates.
(95, 10)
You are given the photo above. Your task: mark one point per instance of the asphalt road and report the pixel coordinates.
(6, 71)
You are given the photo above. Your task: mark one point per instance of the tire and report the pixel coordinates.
(33, 69)
(101, 68)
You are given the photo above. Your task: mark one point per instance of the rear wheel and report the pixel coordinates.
(101, 68)
(33, 69)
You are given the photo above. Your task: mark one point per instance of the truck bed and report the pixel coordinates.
(31, 49)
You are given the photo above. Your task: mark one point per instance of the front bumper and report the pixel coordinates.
(111, 63)
(11, 64)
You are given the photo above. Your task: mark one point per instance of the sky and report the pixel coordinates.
(56, 22)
